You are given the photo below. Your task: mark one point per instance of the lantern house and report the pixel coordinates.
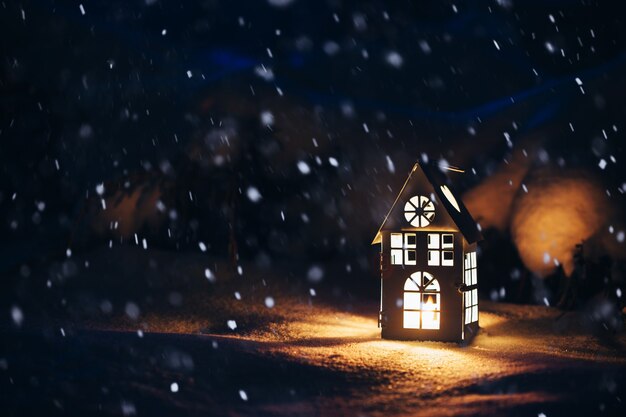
(428, 265)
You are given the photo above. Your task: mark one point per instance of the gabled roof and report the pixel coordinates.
(445, 196)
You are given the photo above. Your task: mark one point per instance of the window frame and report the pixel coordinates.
(470, 279)
(417, 288)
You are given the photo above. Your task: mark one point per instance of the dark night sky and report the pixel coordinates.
(125, 90)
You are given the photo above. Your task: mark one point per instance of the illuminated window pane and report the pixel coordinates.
(474, 296)
(468, 300)
(468, 315)
(430, 302)
(447, 258)
(430, 284)
(412, 283)
(467, 261)
(396, 256)
(411, 319)
(474, 276)
(433, 241)
(430, 319)
(473, 260)
(412, 300)
(447, 241)
(410, 240)
(409, 257)
(396, 240)
(474, 313)
(433, 258)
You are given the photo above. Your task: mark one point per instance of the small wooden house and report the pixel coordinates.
(428, 262)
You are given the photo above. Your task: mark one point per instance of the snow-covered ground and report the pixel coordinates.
(154, 333)
(319, 360)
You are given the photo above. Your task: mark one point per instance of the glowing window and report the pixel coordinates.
(422, 302)
(470, 278)
(396, 256)
(419, 211)
(396, 240)
(470, 275)
(413, 282)
(410, 240)
(447, 241)
(433, 241)
(412, 301)
(433, 258)
(403, 248)
(436, 242)
(410, 257)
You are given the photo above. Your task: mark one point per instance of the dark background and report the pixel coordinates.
(189, 190)
(171, 96)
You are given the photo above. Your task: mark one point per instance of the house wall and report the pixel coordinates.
(449, 277)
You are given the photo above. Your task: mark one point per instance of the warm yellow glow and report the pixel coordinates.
(422, 308)
(411, 319)
(430, 317)
(454, 169)
(555, 214)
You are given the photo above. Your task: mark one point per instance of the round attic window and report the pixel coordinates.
(419, 211)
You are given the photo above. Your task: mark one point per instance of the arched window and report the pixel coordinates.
(422, 302)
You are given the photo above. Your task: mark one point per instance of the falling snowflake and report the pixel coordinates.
(267, 118)
(394, 59)
(17, 316)
(304, 168)
(331, 48)
(425, 47)
(253, 194)
(263, 72)
(209, 275)
(390, 166)
(128, 408)
(132, 310)
(315, 273)
(279, 3)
